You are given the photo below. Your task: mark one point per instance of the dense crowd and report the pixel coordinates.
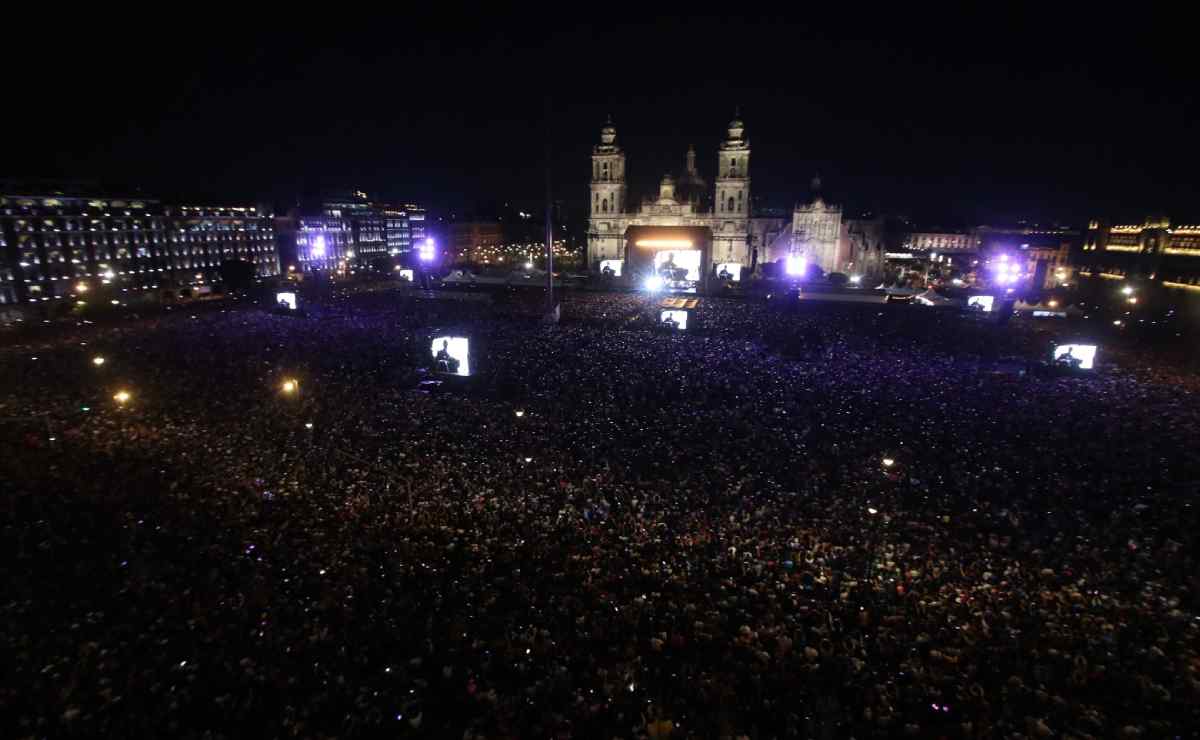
(811, 521)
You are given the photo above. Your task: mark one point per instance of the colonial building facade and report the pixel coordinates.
(685, 202)
(56, 246)
(816, 230)
(1155, 249)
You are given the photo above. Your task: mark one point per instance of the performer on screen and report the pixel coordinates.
(445, 362)
(1068, 359)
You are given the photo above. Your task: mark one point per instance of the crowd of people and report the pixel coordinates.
(788, 521)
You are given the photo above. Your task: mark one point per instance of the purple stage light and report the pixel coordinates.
(318, 247)
(796, 265)
(427, 251)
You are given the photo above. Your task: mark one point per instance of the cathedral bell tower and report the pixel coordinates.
(733, 173)
(605, 232)
(731, 209)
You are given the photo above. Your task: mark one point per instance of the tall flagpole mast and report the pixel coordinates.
(549, 221)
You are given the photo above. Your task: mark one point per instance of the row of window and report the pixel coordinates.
(20, 224)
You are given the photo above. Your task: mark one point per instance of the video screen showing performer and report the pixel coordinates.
(1075, 356)
(451, 355)
(669, 319)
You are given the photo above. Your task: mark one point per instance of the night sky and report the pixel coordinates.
(982, 120)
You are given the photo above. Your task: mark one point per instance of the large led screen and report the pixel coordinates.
(452, 355)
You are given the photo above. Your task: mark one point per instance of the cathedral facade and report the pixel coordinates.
(683, 202)
(817, 231)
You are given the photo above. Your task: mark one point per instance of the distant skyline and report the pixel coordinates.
(984, 121)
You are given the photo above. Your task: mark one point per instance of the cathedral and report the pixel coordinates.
(712, 228)
(684, 202)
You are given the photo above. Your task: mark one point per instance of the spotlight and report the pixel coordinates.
(653, 283)
(796, 265)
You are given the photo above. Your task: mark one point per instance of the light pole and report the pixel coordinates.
(549, 222)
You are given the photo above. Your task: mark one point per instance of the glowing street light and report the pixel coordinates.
(81, 287)
(520, 413)
(1132, 299)
(97, 361)
(796, 264)
(888, 462)
(872, 510)
(122, 397)
(1127, 290)
(290, 386)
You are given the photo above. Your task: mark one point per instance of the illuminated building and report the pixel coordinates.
(816, 231)
(416, 222)
(53, 243)
(686, 202)
(404, 226)
(366, 220)
(317, 240)
(336, 232)
(1153, 249)
(1044, 252)
(472, 237)
(940, 241)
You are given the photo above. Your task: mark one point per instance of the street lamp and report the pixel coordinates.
(97, 361)
(290, 386)
(1127, 290)
(122, 396)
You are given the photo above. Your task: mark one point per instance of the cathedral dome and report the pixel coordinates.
(736, 127)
